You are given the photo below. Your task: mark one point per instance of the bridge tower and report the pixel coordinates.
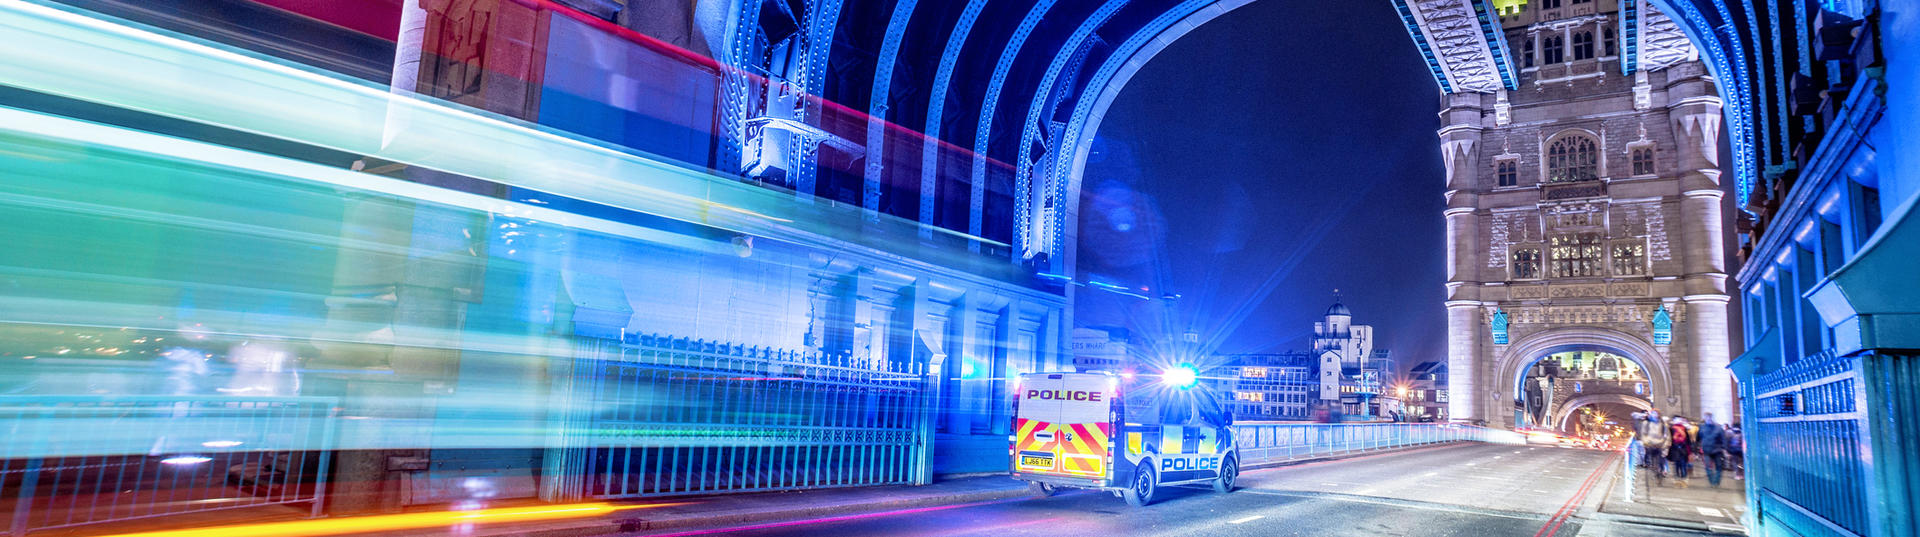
(1584, 208)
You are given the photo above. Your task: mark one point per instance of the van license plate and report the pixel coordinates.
(1043, 462)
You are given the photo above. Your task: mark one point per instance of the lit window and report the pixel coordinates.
(1572, 158)
(1551, 49)
(1583, 45)
(1254, 372)
(1508, 172)
(1629, 258)
(1526, 263)
(1576, 255)
(1643, 161)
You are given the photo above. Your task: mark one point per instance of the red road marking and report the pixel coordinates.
(1552, 527)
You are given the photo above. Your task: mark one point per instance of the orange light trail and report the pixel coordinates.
(408, 521)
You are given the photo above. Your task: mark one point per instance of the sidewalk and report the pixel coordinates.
(1634, 506)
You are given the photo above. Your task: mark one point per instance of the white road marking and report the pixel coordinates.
(1246, 520)
(1709, 512)
(1541, 491)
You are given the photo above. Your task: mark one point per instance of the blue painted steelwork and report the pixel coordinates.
(1759, 77)
(1496, 38)
(1629, 36)
(1022, 243)
(877, 108)
(1420, 41)
(1740, 121)
(936, 105)
(822, 17)
(1023, 179)
(1083, 106)
(734, 107)
(1727, 62)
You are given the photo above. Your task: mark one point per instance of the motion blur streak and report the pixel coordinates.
(844, 518)
(409, 521)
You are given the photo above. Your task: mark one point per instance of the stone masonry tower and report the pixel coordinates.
(1584, 207)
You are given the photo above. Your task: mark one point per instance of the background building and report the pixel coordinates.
(1348, 369)
(1278, 386)
(1426, 385)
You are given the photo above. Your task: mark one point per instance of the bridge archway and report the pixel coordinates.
(1512, 364)
(1566, 410)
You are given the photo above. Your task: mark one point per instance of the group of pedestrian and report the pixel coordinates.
(1670, 447)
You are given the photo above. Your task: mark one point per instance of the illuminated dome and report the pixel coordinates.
(1339, 309)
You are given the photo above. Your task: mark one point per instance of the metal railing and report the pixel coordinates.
(1262, 443)
(674, 416)
(1806, 447)
(75, 460)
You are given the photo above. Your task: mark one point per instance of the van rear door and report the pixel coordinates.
(1064, 424)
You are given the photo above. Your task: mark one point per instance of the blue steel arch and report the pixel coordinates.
(1023, 210)
(936, 105)
(877, 109)
(1711, 25)
(991, 103)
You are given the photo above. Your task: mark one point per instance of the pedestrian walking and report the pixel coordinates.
(1714, 439)
(1679, 449)
(1652, 433)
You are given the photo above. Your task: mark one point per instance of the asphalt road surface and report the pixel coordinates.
(1467, 490)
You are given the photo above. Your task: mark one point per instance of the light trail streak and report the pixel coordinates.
(408, 521)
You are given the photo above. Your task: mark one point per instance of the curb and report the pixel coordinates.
(637, 524)
(640, 522)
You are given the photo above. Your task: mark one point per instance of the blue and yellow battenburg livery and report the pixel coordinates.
(1129, 434)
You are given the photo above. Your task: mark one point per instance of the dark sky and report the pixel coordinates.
(1286, 142)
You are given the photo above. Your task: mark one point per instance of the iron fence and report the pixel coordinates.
(77, 460)
(1805, 442)
(661, 416)
(1260, 443)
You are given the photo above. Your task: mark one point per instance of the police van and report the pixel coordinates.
(1129, 434)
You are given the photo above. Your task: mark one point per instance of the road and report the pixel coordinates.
(1467, 490)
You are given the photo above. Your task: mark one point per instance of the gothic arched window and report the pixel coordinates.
(1552, 49)
(1573, 157)
(1643, 161)
(1526, 53)
(1583, 45)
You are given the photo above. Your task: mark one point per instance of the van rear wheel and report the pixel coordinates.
(1144, 486)
(1040, 490)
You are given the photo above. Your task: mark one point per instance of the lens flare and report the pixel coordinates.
(1180, 376)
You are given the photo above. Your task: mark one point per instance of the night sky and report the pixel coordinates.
(1265, 159)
